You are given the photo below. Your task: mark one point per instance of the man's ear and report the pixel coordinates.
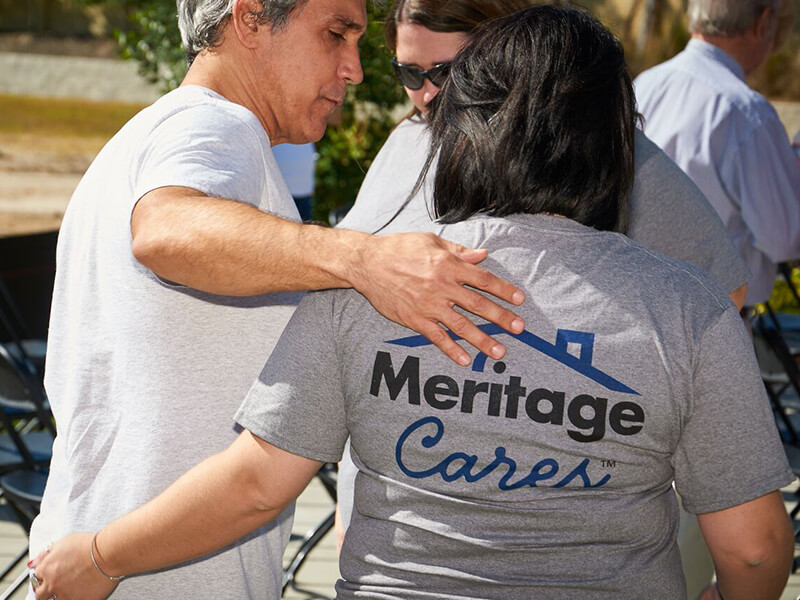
(245, 21)
(766, 23)
(785, 23)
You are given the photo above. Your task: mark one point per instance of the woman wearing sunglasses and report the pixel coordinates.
(667, 211)
(547, 475)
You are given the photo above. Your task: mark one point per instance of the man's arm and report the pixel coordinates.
(752, 545)
(767, 177)
(220, 500)
(231, 248)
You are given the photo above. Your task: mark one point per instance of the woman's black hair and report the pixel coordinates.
(538, 116)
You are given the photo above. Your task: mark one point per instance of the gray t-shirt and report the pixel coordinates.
(668, 213)
(143, 376)
(548, 474)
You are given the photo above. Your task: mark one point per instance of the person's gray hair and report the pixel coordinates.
(201, 22)
(727, 18)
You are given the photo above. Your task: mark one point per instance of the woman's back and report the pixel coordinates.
(549, 472)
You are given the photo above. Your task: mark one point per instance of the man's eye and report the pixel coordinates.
(339, 37)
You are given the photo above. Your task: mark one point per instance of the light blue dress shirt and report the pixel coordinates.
(729, 140)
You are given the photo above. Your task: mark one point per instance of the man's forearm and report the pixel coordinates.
(414, 279)
(234, 249)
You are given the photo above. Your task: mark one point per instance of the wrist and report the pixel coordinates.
(347, 257)
(97, 560)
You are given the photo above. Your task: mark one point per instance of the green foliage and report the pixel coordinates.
(782, 299)
(153, 40)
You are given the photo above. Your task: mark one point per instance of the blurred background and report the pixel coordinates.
(73, 71)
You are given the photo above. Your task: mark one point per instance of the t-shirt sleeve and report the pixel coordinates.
(297, 403)
(729, 451)
(671, 215)
(206, 147)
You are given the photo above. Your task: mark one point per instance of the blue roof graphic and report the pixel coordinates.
(557, 351)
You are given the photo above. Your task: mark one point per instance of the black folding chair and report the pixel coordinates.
(28, 350)
(327, 476)
(22, 394)
(779, 384)
(25, 452)
(23, 491)
(784, 395)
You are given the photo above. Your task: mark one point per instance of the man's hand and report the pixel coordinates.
(225, 247)
(416, 279)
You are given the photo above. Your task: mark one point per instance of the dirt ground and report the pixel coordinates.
(37, 177)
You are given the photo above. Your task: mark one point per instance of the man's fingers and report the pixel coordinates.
(470, 255)
(442, 340)
(482, 306)
(461, 326)
(483, 280)
(417, 279)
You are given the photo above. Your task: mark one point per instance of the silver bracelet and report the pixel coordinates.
(96, 566)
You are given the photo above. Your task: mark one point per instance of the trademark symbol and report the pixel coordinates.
(609, 464)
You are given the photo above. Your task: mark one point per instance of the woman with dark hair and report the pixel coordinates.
(666, 210)
(553, 137)
(548, 474)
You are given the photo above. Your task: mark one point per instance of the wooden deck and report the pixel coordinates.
(318, 575)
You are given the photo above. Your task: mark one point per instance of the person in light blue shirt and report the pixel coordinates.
(296, 163)
(726, 136)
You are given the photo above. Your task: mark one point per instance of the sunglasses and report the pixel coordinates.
(414, 78)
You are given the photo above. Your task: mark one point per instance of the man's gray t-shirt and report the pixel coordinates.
(144, 375)
(547, 474)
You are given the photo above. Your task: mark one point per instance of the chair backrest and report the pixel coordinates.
(27, 350)
(22, 393)
(767, 330)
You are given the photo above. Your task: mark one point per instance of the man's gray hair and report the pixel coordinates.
(201, 21)
(727, 18)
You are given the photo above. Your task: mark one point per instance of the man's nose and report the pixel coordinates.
(350, 69)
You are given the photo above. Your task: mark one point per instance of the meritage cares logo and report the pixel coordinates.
(582, 417)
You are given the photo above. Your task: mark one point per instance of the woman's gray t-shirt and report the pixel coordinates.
(548, 474)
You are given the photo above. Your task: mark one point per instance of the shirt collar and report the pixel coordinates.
(717, 54)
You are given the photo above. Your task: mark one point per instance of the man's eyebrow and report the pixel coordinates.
(348, 23)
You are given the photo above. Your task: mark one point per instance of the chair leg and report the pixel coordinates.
(17, 559)
(310, 540)
(19, 581)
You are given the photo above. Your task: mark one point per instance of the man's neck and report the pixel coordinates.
(210, 70)
(737, 47)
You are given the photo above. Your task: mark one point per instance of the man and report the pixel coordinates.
(170, 258)
(727, 137)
